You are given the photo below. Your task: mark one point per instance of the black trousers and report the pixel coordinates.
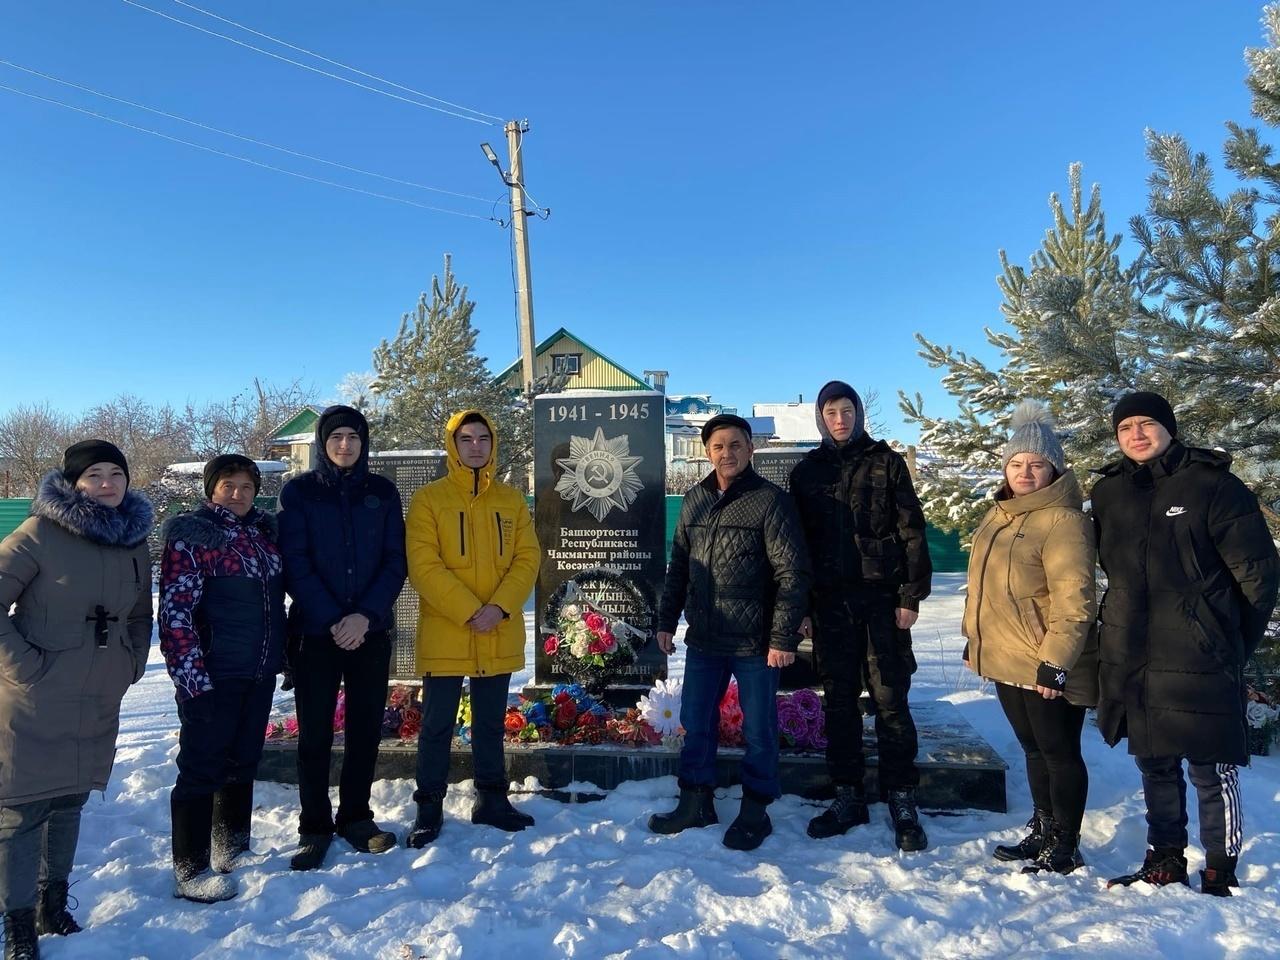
(1049, 731)
(225, 748)
(855, 644)
(1218, 793)
(440, 697)
(320, 667)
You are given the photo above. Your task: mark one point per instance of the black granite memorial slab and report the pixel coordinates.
(599, 511)
(408, 470)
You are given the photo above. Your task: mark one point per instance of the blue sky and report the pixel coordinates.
(755, 197)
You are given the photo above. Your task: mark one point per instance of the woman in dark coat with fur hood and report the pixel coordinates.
(222, 633)
(78, 576)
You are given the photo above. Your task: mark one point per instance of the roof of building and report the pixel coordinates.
(546, 344)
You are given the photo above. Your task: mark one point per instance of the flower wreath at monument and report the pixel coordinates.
(585, 642)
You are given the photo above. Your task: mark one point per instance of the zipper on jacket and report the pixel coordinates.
(137, 577)
(462, 531)
(497, 518)
(977, 613)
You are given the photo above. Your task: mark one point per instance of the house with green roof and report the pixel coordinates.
(583, 366)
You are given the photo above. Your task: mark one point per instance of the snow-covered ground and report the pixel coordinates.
(591, 881)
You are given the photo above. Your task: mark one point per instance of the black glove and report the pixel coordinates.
(197, 709)
(964, 654)
(1053, 677)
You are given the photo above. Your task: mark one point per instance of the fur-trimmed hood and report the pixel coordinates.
(210, 525)
(124, 526)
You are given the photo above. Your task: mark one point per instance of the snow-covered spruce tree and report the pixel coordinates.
(1215, 261)
(430, 370)
(1074, 341)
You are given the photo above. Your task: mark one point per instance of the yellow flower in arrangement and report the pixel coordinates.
(464, 711)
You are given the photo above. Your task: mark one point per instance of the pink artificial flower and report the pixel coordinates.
(271, 731)
(610, 643)
(595, 622)
(552, 645)
(291, 726)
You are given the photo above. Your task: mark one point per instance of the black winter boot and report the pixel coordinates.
(52, 915)
(1060, 852)
(907, 832)
(1028, 848)
(192, 826)
(232, 814)
(1219, 875)
(752, 824)
(20, 939)
(1160, 867)
(367, 837)
(493, 809)
(696, 808)
(426, 827)
(311, 850)
(847, 810)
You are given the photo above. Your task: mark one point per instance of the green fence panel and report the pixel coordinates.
(12, 513)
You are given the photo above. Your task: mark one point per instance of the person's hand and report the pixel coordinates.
(905, 619)
(806, 628)
(349, 632)
(486, 618)
(781, 658)
(666, 642)
(964, 655)
(1051, 680)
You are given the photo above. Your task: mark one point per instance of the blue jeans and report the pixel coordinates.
(706, 678)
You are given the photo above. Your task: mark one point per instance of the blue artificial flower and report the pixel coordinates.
(537, 714)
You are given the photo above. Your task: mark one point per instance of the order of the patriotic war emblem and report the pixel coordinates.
(599, 474)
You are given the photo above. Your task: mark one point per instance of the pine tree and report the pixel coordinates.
(1073, 341)
(1214, 260)
(431, 370)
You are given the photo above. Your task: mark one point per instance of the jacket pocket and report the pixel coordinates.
(1032, 622)
(879, 556)
(1186, 546)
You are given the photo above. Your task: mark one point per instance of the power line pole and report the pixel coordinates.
(515, 129)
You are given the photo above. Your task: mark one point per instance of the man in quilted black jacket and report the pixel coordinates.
(740, 573)
(866, 535)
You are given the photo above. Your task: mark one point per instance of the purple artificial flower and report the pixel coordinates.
(808, 703)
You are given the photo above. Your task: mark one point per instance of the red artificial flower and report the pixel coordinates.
(552, 645)
(514, 721)
(566, 713)
(595, 622)
(596, 646)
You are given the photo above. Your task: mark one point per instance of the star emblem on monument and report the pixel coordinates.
(599, 474)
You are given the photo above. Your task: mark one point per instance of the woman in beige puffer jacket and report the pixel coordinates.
(1029, 621)
(78, 575)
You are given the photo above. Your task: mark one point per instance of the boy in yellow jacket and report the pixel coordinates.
(473, 558)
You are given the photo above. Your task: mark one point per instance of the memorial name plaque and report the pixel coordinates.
(774, 464)
(599, 511)
(408, 470)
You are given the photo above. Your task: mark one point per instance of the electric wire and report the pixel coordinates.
(304, 66)
(251, 162)
(336, 63)
(237, 136)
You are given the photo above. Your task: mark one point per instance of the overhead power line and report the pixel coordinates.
(237, 136)
(336, 63)
(233, 156)
(304, 66)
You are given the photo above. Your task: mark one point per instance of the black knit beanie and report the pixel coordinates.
(230, 462)
(342, 416)
(79, 457)
(1144, 404)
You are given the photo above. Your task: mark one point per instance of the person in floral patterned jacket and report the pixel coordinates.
(222, 634)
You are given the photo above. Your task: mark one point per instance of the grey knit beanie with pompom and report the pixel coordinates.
(1031, 431)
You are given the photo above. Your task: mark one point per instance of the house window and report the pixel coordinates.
(567, 363)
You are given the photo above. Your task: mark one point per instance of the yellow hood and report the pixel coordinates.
(468, 478)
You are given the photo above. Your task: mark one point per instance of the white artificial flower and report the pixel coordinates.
(579, 648)
(571, 612)
(1259, 714)
(661, 707)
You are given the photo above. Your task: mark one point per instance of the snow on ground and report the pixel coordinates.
(591, 881)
